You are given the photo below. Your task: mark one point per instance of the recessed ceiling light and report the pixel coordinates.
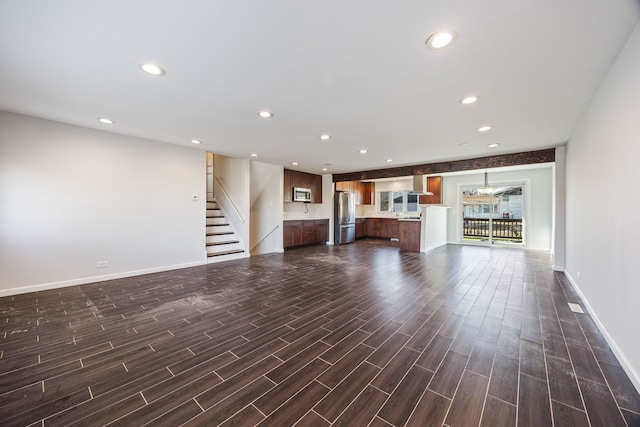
(493, 145)
(484, 128)
(325, 169)
(152, 69)
(325, 137)
(196, 141)
(469, 100)
(105, 120)
(440, 39)
(363, 151)
(294, 163)
(389, 160)
(254, 155)
(265, 114)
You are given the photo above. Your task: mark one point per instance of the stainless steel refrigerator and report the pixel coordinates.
(344, 217)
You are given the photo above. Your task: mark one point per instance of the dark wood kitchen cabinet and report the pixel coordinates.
(363, 191)
(305, 232)
(287, 191)
(361, 228)
(368, 191)
(409, 235)
(434, 185)
(294, 179)
(385, 228)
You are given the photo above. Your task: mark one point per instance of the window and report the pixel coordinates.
(397, 201)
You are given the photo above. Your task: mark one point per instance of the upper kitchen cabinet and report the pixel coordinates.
(288, 185)
(434, 185)
(363, 191)
(368, 190)
(294, 179)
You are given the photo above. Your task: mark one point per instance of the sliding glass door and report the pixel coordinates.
(494, 215)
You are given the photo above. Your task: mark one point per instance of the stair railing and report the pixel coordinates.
(226, 195)
(265, 237)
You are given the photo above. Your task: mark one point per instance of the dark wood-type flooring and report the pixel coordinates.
(355, 335)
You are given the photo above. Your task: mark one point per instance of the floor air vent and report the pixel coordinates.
(575, 308)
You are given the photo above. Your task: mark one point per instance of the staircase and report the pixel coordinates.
(222, 243)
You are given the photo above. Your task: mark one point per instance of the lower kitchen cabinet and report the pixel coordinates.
(410, 235)
(361, 228)
(305, 232)
(385, 228)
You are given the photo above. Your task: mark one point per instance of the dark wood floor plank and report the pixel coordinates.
(568, 416)
(226, 408)
(481, 359)
(466, 409)
(242, 363)
(290, 386)
(102, 415)
(533, 402)
(339, 350)
(632, 418)
(563, 385)
(532, 359)
(312, 419)
(363, 408)
(433, 355)
(226, 388)
(301, 359)
(446, 379)
(191, 378)
(395, 370)
(430, 411)
(600, 404)
(341, 396)
(296, 407)
(498, 413)
(249, 416)
(390, 348)
(624, 391)
(400, 405)
(585, 364)
(345, 366)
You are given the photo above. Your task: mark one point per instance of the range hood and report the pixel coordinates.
(420, 185)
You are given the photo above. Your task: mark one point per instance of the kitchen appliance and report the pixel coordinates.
(344, 217)
(420, 185)
(301, 194)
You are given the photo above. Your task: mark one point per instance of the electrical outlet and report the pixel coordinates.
(102, 264)
(579, 275)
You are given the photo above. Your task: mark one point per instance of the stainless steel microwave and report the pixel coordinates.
(301, 194)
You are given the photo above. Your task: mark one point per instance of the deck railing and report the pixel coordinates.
(503, 229)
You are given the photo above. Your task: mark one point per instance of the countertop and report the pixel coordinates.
(399, 218)
(303, 217)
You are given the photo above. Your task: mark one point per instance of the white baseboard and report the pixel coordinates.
(624, 362)
(93, 279)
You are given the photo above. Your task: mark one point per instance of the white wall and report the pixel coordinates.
(232, 191)
(538, 201)
(603, 230)
(266, 216)
(71, 196)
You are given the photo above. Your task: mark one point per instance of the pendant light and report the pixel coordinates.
(486, 189)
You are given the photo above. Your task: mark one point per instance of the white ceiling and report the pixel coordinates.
(355, 69)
